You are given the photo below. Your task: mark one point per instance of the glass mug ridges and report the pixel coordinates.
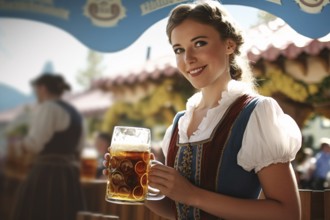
(129, 166)
(129, 173)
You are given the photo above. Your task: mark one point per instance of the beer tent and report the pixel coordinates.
(112, 25)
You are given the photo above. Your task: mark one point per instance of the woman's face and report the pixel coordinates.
(201, 55)
(40, 92)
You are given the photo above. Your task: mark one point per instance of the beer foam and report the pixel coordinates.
(89, 152)
(130, 147)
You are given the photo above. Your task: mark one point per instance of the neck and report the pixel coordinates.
(212, 94)
(49, 97)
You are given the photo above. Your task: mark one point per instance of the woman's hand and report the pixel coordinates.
(106, 162)
(172, 184)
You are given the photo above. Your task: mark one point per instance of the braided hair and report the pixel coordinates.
(213, 14)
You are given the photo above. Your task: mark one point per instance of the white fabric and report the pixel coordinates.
(48, 118)
(270, 136)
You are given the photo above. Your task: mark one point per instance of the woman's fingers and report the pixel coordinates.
(162, 177)
(157, 178)
(162, 171)
(158, 182)
(106, 160)
(106, 156)
(170, 183)
(105, 172)
(105, 163)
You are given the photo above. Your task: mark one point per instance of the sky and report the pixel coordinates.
(26, 46)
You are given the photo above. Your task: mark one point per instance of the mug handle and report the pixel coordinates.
(153, 193)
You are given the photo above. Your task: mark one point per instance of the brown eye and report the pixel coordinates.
(200, 43)
(178, 50)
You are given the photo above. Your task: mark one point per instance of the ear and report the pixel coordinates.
(230, 46)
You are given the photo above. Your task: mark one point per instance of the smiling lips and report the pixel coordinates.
(196, 72)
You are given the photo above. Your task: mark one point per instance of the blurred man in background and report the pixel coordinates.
(322, 167)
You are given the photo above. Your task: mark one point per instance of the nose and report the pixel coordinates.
(189, 57)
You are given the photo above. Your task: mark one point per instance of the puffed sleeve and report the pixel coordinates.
(48, 119)
(271, 136)
(166, 141)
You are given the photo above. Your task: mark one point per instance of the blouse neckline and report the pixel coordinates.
(213, 115)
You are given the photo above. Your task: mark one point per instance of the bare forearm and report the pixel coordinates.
(235, 208)
(162, 208)
(277, 181)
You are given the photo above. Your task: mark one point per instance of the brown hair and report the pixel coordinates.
(210, 13)
(54, 83)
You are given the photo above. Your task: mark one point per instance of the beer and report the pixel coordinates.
(88, 163)
(129, 165)
(128, 178)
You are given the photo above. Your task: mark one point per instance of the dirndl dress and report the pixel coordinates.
(212, 164)
(52, 190)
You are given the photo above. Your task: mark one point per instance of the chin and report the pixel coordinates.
(197, 85)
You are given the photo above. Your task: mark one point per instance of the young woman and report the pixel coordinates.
(230, 142)
(52, 190)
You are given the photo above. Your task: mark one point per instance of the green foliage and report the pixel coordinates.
(93, 124)
(323, 93)
(93, 69)
(155, 109)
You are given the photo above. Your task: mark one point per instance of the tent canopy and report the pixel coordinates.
(112, 25)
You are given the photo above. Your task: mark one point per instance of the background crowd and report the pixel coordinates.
(54, 122)
(313, 167)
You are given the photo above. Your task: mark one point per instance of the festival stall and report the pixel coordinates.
(293, 69)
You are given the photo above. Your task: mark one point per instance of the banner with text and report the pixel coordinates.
(112, 25)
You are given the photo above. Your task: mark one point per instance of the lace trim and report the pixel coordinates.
(257, 167)
(205, 128)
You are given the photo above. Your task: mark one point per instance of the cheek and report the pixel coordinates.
(219, 60)
(180, 64)
(215, 52)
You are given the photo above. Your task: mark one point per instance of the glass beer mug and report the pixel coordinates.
(129, 166)
(88, 163)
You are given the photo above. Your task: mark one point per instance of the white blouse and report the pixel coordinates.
(47, 118)
(271, 136)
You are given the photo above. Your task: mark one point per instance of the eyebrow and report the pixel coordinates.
(192, 40)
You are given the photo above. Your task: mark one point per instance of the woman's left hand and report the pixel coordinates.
(171, 184)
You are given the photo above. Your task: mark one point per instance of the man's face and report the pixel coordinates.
(326, 148)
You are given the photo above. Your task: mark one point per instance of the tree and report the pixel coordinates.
(93, 69)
